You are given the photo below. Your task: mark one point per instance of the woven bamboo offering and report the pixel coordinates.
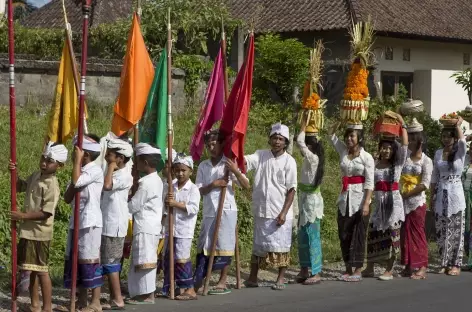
(466, 114)
(355, 104)
(449, 120)
(312, 104)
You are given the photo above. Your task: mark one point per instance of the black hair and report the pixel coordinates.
(153, 160)
(316, 147)
(220, 137)
(360, 135)
(452, 154)
(93, 155)
(287, 141)
(115, 150)
(420, 140)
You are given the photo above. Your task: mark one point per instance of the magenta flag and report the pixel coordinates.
(212, 109)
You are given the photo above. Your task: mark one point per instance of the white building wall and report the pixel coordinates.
(432, 63)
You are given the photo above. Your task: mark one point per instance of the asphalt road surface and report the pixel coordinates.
(437, 293)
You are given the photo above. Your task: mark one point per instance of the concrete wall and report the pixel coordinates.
(446, 95)
(36, 81)
(422, 87)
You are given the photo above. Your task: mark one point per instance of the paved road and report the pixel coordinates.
(438, 293)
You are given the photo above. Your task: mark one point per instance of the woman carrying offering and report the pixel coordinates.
(448, 199)
(311, 207)
(357, 170)
(415, 180)
(383, 242)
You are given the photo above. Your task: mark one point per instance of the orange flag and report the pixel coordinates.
(136, 79)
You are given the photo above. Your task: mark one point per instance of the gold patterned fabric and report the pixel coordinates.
(272, 260)
(33, 255)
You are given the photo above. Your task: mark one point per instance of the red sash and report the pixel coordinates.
(385, 186)
(352, 180)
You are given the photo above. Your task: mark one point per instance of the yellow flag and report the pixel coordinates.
(63, 119)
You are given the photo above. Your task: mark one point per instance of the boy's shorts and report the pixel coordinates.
(33, 255)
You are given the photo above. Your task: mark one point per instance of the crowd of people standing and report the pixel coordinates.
(381, 211)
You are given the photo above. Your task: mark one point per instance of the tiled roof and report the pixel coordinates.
(442, 19)
(447, 19)
(292, 15)
(103, 11)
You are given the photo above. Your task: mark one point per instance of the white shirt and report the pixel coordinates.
(146, 205)
(273, 178)
(206, 174)
(310, 161)
(360, 166)
(115, 204)
(185, 220)
(423, 168)
(91, 184)
(448, 182)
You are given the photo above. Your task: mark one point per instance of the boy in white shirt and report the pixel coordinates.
(118, 182)
(87, 179)
(210, 179)
(146, 207)
(275, 182)
(186, 201)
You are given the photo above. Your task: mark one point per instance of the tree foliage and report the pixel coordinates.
(464, 79)
(281, 66)
(194, 22)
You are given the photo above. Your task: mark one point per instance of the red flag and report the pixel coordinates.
(213, 107)
(235, 116)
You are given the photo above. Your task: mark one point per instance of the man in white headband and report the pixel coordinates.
(146, 208)
(37, 221)
(87, 178)
(274, 188)
(114, 205)
(185, 202)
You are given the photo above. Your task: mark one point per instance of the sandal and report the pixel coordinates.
(418, 277)
(186, 297)
(112, 305)
(353, 279)
(312, 281)
(278, 287)
(138, 302)
(219, 291)
(454, 272)
(90, 309)
(343, 277)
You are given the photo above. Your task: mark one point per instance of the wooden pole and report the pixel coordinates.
(13, 173)
(86, 6)
(170, 134)
(223, 189)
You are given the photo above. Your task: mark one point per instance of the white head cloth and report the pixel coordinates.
(88, 144)
(280, 129)
(354, 126)
(57, 152)
(185, 160)
(122, 147)
(146, 149)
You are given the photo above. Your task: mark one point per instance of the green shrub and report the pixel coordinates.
(281, 65)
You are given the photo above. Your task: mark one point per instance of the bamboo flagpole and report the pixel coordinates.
(170, 134)
(13, 173)
(86, 7)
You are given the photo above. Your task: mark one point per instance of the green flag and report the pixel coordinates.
(153, 126)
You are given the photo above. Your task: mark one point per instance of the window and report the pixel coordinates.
(406, 55)
(391, 82)
(389, 53)
(466, 59)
